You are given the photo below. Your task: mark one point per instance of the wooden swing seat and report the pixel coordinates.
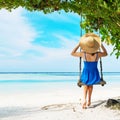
(102, 83)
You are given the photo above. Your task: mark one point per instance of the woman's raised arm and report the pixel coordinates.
(75, 53)
(104, 52)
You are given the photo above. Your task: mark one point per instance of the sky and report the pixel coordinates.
(38, 42)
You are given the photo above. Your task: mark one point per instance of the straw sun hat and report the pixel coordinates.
(90, 42)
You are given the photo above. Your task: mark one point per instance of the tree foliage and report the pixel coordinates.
(102, 15)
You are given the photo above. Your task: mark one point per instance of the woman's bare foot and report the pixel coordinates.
(89, 103)
(84, 105)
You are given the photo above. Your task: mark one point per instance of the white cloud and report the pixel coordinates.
(57, 59)
(16, 34)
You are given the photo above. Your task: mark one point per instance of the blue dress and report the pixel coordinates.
(90, 74)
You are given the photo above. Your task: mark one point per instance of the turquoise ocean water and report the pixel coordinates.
(30, 81)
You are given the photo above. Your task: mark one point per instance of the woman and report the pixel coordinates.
(90, 44)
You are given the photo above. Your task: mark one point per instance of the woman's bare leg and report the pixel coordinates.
(85, 91)
(90, 89)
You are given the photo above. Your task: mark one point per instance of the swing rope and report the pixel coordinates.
(102, 82)
(101, 69)
(80, 68)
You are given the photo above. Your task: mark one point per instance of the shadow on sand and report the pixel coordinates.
(97, 104)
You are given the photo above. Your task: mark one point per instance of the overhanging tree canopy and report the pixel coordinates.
(98, 14)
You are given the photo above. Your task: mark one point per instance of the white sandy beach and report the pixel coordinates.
(58, 104)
